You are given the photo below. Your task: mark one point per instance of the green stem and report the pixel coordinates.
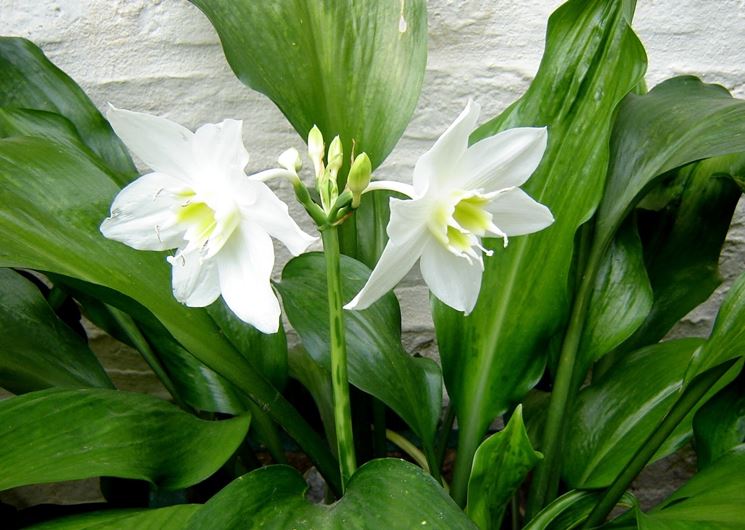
(443, 435)
(409, 448)
(468, 441)
(339, 379)
(545, 483)
(680, 409)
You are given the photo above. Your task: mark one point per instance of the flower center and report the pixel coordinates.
(208, 221)
(461, 220)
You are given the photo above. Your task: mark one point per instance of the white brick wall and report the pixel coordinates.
(163, 57)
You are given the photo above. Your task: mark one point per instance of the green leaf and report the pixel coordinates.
(317, 380)
(29, 80)
(570, 510)
(621, 298)
(592, 60)
(384, 493)
(679, 121)
(719, 425)
(352, 68)
(500, 465)
(38, 350)
(713, 499)
(378, 363)
(60, 196)
(169, 518)
(683, 226)
(54, 435)
(371, 220)
(616, 413)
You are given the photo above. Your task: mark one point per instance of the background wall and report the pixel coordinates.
(163, 57)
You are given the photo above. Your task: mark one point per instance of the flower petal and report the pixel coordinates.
(504, 160)
(141, 214)
(408, 236)
(219, 150)
(164, 145)
(259, 204)
(436, 168)
(195, 282)
(391, 185)
(516, 213)
(454, 280)
(245, 266)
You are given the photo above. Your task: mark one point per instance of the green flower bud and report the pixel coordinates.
(335, 157)
(359, 177)
(316, 149)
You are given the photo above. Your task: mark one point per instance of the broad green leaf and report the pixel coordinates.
(317, 380)
(683, 224)
(55, 435)
(616, 413)
(713, 499)
(495, 355)
(169, 518)
(727, 340)
(37, 349)
(719, 425)
(500, 465)
(621, 298)
(679, 121)
(383, 493)
(378, 363)
(352, 68)
(28, 80)
(571, 510)
(59, 197)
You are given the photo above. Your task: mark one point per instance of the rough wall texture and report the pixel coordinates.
(163, 57)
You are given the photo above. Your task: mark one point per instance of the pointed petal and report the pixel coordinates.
(436, 167)
(408, 236)
(163, 145)
(392, 185)
(504, 160)
(454, 280)
(245, 267)
(141, 214)
(516, 213)
(219, 149)
(195, 282)
(259, 204)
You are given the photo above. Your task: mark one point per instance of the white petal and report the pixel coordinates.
(454, 280)
(516, 213)
(219, 149)
(194, 280)
(163, 145)
(141, 215)
(391, 185)
(408, 236)
(245, 266)
(436, 167)
(504, 160)
(259, 204)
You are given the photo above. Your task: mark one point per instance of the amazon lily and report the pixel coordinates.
(460, 194)
(199, 201)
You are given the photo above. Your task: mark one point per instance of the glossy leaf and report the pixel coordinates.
(621, 298)
(616, 413)
(713, 499)
(28, 80)
(500, 465)
(378, 363)
(169, 518)
(38, 350)
(719, 425)
(684, 224)
(570, 510)
(494, 356)
(679, 121)
(55, 435)
(352, 68)
(317, 380)
(383, 493)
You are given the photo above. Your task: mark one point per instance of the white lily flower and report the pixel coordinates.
(459, 195)
(199, 201)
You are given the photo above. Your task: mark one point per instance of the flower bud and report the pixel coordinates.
(316, 149)
(359, 177)
(290, 160)
(335, 157)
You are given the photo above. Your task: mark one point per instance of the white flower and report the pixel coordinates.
(459, 195)
(199, 201)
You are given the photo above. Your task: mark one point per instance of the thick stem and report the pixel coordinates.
(546, 478)
(339, 380)
(685, 403)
